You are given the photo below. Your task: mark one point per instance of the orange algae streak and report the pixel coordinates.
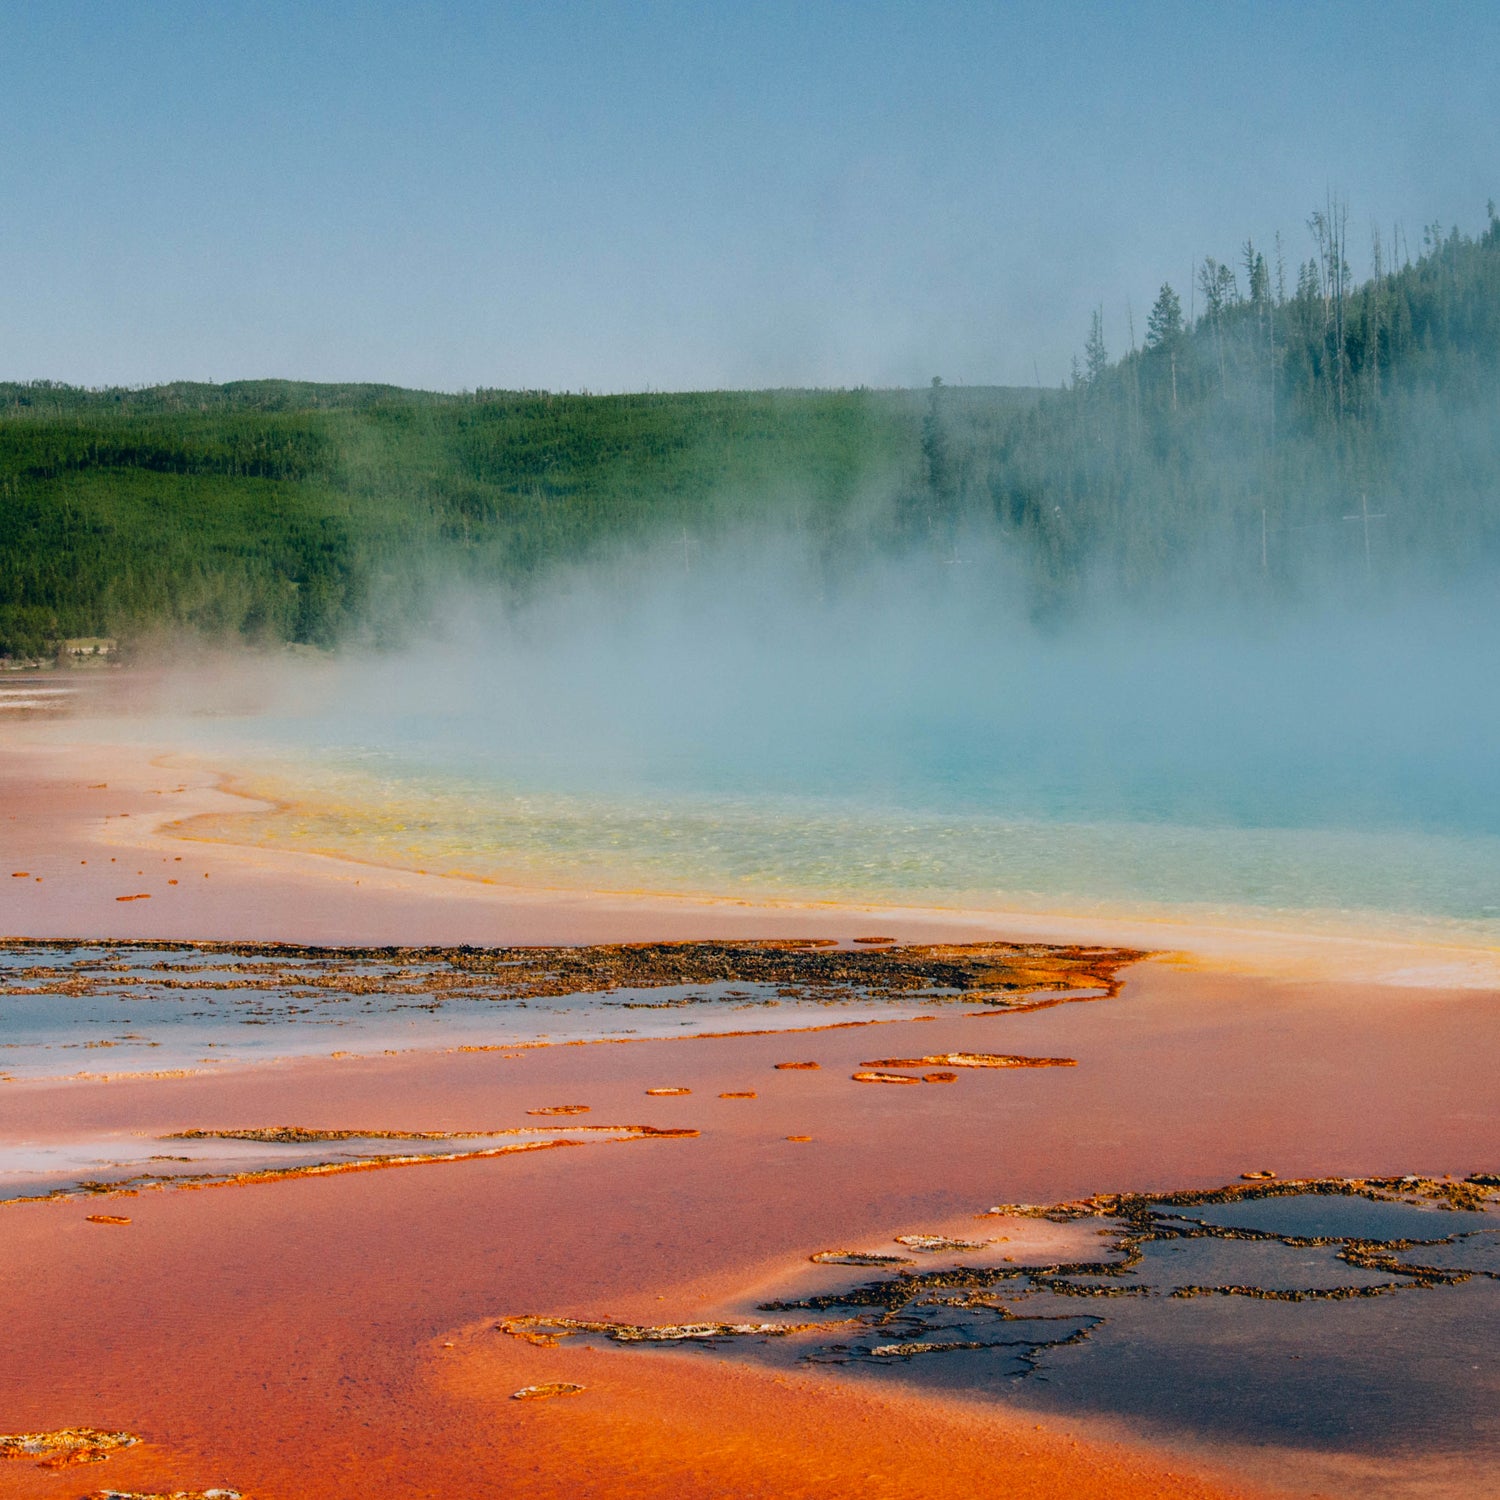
(797, 1067)
(693, 1430)
(866, 1076)
(666, 1092)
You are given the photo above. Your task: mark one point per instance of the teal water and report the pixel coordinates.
(505, 822)
(912, 738)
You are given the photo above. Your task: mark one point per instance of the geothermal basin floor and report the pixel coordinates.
(356, 1262)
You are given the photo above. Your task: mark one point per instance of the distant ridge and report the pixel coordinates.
(44, 397)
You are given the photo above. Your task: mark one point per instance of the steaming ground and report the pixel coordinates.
(753, 721)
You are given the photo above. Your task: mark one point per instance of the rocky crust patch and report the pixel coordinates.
(66, 1446)
(977, 973)
(1379, 1237)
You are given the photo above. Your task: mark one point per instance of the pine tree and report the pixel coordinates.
(1164, 330)
(1164, 322)
(1095, 355)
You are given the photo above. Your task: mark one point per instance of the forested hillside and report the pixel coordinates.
(1294, 430)
(281, 512)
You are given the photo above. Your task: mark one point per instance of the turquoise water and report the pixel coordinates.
(913, 738)
(505, 823)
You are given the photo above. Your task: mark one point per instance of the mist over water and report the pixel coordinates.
(763, 718)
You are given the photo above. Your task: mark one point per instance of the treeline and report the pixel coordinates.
(1298, 429)
(293, 513)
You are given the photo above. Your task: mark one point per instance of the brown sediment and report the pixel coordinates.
(133, 1075)
(560, 1109)
(300, 1135)
(1470, 1194)
(865, 1076)
(65, 1446)
(546, 1332)
(668, 1092)
(973, 1060)
(786, 1067)
(992, 974)
(213, 1494)
(739, 1094)
(857, 1258)
(933, 1244)
(106, 1219)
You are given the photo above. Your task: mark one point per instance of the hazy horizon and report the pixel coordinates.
(657, 197)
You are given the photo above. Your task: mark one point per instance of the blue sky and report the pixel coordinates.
(631, 196)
